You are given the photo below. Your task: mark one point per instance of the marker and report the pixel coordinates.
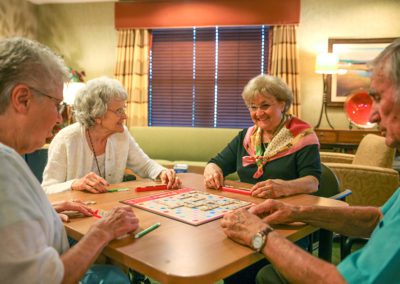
(117, 189)
(151, 187)
(96, 214)
(235, 190)
(147, 230)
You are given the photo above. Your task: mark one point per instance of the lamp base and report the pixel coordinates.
(324, 109)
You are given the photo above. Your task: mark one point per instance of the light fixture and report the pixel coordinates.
(69, 93)
(326, 64)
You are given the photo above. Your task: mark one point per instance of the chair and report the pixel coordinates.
(368, 173)
(330, 188)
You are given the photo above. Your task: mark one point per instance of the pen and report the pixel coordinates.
(117, 189)
(147, 230)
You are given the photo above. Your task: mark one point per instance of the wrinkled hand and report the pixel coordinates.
(76, 205)
(275, 212)
(169, 178)
(118, 222)
(240, 225)
(91, 182)
(213, 176)
(270, 188)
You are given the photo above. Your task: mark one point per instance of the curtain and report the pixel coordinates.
(284, 61)
(132, 71)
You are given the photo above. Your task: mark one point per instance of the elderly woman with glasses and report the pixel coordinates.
(95, 151)
(279, 154)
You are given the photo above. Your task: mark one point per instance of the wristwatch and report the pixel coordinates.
(258, 240)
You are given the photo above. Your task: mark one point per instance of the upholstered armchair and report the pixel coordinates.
(368, 173)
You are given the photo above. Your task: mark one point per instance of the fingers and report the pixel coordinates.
(121, 220)
(77, 206)
(169, 178)
(63, 217)
(264, 189)
(177, 183)
(82, 208)
(213, 177)
(240, 225)
(91, 183)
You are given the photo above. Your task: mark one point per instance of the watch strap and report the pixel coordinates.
(265, 232)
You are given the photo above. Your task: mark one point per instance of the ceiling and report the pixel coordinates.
(67, 1)
(39, 2)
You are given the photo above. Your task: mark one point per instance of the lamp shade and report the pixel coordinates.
(326, 63)
(70, 91)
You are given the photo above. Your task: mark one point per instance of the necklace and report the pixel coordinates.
(94, 154)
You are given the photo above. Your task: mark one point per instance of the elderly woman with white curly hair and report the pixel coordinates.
(95, 151)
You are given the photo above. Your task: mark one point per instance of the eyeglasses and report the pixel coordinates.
(120, 112)
(263, 107)
(60, 106)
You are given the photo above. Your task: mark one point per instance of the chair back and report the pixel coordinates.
(373, 151)
(329, 184)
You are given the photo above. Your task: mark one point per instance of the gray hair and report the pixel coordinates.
(23, 61)
(389, 62)
(266, 84)
(91, 101)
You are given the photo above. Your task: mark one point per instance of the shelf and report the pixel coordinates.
(342, 140)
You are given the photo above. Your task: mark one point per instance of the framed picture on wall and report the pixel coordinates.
(354, 55)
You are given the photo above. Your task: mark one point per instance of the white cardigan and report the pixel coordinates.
(70, 158)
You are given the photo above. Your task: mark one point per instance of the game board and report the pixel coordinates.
(188, 205)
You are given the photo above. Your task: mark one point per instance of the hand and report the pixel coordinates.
(240, 225)
(120, 221)
(213, 176)
(90, 182)
(169, 178)
(270, 188)
(276, 212)
(75, 205)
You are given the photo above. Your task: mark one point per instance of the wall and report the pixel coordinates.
(320, 20)
(17, 18)
(84, 34)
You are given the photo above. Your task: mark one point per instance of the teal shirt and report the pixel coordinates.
(379, 260)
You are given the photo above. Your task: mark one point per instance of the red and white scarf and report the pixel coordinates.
(294, 135)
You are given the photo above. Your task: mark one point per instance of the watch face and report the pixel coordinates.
(258, 241)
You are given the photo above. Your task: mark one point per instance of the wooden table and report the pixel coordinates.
(177, 252)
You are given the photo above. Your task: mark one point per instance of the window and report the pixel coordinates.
(197, 75)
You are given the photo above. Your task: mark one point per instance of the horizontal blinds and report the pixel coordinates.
(171, 82)
(239, 61)
(204, 77)
(197, 75)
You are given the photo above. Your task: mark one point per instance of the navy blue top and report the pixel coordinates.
(305, 162)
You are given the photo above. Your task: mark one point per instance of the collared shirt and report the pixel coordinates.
(379, 260)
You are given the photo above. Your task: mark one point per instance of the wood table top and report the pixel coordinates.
(177, 252)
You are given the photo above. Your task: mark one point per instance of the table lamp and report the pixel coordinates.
(326, 64)
(70, 91)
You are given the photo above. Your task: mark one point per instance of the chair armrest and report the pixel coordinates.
(371, 186)
(342, 195)
(333, 157)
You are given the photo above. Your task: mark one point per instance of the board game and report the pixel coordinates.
(188, 205)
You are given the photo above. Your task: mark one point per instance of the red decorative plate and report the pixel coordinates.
(358, 107)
